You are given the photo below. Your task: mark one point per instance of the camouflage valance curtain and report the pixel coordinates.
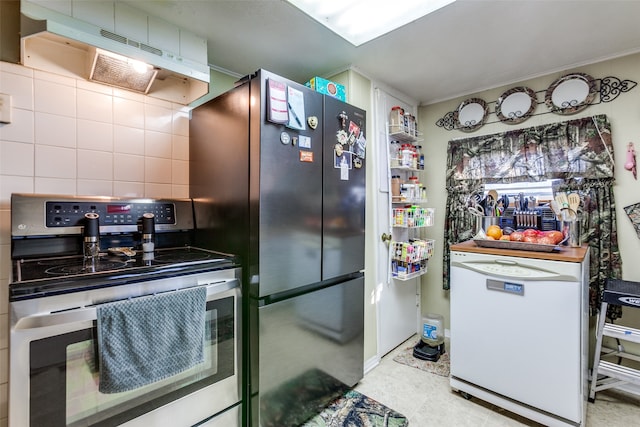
(578, 151)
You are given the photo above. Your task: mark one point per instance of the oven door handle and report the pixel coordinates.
(56, 319)
(89, 313)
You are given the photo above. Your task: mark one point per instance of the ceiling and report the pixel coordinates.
(463, 48)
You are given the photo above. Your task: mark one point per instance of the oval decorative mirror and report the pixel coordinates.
(516, 105)
(471, 114)
(570, 93)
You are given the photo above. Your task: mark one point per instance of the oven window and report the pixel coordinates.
(64, 376)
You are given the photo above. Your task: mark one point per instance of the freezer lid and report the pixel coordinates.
(517, 268)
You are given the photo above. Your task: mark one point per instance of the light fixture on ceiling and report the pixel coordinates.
(117, 70)
(359, 21)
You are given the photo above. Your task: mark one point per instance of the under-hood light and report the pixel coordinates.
(117, 70)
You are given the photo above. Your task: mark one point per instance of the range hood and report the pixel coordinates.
(102, 41)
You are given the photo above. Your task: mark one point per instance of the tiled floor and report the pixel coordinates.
(427, 400)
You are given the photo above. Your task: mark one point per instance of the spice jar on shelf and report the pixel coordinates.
(420, 157)
(395, 153)
(395, 185)
(407, 155)
(396, 119)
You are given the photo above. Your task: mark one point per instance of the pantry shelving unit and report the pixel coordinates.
(409, 251)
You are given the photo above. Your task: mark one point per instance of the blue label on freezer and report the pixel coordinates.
(513, 287)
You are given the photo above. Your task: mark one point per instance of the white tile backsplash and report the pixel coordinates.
(55, 162)
(128, 189)
(4, 404)
(4, 361)
(127, 94)
(158, 118)
(5, 262)
(10, 67)
(128, 112)
(19, 87)
(54, 129)
(21, 127)
(158, 102)
(55, 186)
(157, 190)
(128, 167)
(89, 187)
(95, 106)
(95, 165)
(55, 78)
(157, 170)
(93, 139)
(4, 294)
(128, 140)
(14, 184)
(16, 158)
(180, 147)
(94, 87)
(157, 144)
(180, 191)
(181, 122)
(95, 135)
(5, 226)
(54, 98)
(4, 328)
(180, 172)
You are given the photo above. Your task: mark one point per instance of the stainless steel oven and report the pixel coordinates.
(55, 297)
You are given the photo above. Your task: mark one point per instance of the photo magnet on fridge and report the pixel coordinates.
(343, 160)
(360, 146)
(354, 132)
(305, 141)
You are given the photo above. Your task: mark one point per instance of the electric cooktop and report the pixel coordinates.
(62, 274)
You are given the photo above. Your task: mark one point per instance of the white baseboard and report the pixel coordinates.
(370, 364)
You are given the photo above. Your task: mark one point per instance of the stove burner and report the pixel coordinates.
(85, 268)
(181, 257)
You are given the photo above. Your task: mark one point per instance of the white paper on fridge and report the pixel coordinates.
(277, 95)
(295, 104)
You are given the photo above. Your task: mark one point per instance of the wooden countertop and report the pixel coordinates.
(566, 253)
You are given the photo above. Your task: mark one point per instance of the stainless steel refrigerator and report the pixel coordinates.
(277, 175)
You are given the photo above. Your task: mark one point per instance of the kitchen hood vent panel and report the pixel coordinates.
(121, 39)
(118, 72)
(47, 34)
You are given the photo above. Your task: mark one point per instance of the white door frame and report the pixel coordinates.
(393, 297)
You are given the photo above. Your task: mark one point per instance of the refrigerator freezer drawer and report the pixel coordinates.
(311, 349)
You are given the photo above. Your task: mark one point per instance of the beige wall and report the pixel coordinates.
(219, 84)
(74, 137)
(359, 89)
(624, 115)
